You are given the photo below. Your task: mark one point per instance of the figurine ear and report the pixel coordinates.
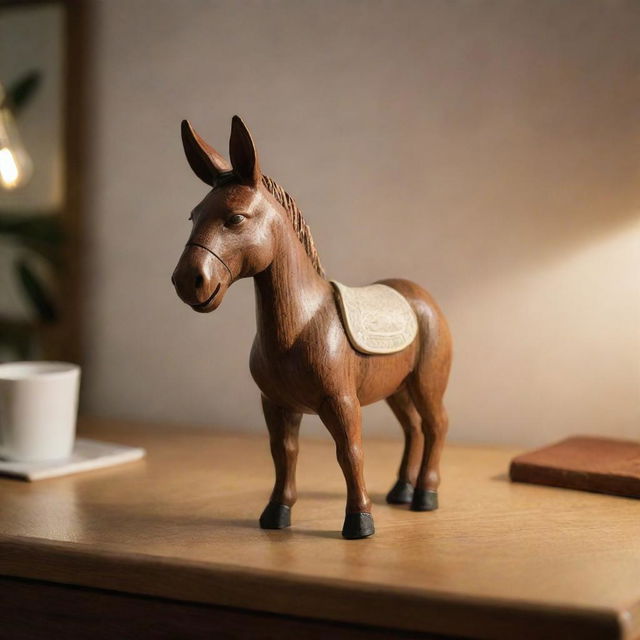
(243, 152)
(205, 161)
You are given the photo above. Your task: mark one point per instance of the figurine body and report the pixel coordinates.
(302, 359)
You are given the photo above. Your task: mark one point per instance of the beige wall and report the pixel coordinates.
(486, 149)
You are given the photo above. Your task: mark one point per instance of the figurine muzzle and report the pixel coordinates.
(200, 278)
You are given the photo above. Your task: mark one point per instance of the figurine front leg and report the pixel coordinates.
(283, 426)
(341, 416)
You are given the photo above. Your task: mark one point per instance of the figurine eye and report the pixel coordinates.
(234, 220)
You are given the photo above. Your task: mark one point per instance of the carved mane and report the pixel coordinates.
(295, 215)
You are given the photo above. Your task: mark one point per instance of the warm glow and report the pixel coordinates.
(15, 164)
(9, 173)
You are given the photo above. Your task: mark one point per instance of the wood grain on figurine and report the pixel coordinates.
(586, 463)
(302, 358)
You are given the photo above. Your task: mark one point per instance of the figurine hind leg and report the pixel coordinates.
(405, 411)
(284, 426)
(427, 395)
(427, 385)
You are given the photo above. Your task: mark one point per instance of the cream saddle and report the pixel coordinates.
(377, 318)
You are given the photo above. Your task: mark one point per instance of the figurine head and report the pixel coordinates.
(232, 235)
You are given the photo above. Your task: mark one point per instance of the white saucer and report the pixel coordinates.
(87, 455)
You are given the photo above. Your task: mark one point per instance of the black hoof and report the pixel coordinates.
(424, 500)
(275, 516)
(401, 493)
(358, 525)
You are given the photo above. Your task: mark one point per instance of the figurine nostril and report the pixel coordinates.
(199, 281)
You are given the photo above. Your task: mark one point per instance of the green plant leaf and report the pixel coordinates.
(18, 337)
(45, 228)
(36, 292)
(43, 234)
(20, 92)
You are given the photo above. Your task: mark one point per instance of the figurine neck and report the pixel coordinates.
(289, 292)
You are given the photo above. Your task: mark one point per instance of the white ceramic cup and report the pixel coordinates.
(38, 410)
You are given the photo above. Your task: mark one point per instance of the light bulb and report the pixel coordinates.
(15, 164)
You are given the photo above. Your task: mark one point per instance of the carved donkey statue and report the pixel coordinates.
(320, 347)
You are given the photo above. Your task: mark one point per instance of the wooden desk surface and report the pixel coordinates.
(498, 560)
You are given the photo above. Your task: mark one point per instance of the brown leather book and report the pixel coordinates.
(585, 463)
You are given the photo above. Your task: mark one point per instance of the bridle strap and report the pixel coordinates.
(214, 254)
(225, 177)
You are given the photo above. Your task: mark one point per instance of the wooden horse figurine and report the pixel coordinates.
(303, 359)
